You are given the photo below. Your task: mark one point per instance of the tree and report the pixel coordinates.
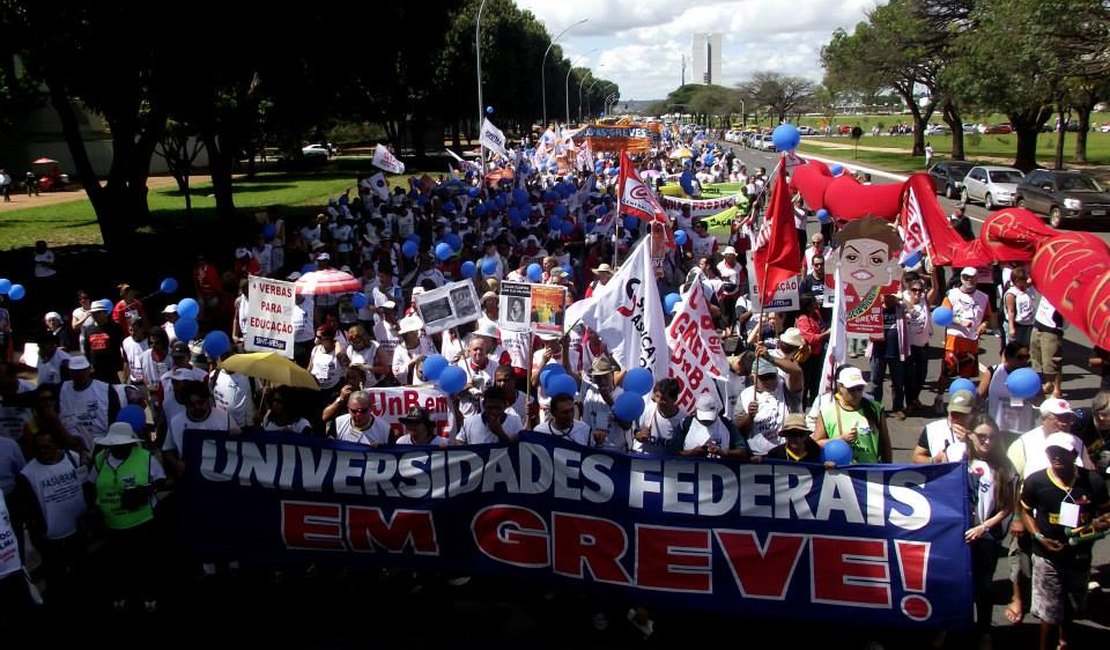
(105, 57)
(778, 93)
(1046, 42)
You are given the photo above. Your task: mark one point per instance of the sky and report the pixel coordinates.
(639, 44)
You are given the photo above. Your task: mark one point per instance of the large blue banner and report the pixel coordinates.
(882, 541)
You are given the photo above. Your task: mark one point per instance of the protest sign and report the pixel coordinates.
(493, 139)
(867, 258)
(515, 307)
(697, 356)
(448, 306)
(532, 307)
(269, 326)
(384, 159)
(881, 543)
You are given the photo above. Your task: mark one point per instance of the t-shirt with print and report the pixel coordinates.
(1043, 495)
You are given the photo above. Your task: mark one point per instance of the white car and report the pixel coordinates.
(316, 151)
(807, 130)
(936, 129)
(763, 142)
(991, 184)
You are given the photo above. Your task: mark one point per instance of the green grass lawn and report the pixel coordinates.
(1004, 146)
(74, 223)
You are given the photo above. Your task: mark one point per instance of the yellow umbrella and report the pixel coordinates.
(682, 152)
(272, 367)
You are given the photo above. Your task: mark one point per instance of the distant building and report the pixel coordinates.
(705, 53)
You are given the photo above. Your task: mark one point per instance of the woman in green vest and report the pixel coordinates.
(854, 419)
(123, 479)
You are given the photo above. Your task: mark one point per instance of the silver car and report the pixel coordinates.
(992, 185)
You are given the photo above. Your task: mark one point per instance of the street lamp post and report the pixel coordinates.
(478, 53)
(566, 82)
(743, 116)
(543, 67)
(580, 83)
(589, 111)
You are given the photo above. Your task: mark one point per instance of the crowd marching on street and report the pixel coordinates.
(93, 429)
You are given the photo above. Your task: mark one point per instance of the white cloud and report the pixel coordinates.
(641, 42)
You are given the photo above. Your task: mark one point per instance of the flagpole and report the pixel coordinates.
(617, 225)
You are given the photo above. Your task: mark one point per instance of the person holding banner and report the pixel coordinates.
(854, 419)
(359, 425)
(764, 407)
(283, 414)
(505, 378)
(494, 424)
(479, 373)
(420, 429)
(709, 434)
(562, 423)
(660, 421)
(800, 447)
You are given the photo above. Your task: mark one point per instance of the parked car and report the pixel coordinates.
(807, 130)
(1063, 195)
(316, 151)
(993, 185)
(936, 129)
(763, 142)
(844, 129)
(948, 176)
(998, 129)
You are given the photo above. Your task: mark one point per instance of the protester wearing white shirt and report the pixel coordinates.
(494, 424)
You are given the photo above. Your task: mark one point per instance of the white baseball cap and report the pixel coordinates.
(706, 407)
(1063, 440)
(851, 377)
(79, 362)
(169, 309)
(969, 270)
(729, 250)
(1056, 407)
(410, 324)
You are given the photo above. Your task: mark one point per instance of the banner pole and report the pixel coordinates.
(617, 225)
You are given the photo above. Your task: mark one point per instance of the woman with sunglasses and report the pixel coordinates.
(992, 489)
(919, 328)
(1014, 417)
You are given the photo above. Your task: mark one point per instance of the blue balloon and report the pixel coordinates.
(414, 238)
(823, 215)
(134, 416)
(480, 210)
(473, 192)
(454, 241)
(562, 385)
(444, 251)
(566, 227)
(489, 266)
(449, 206)
(942, 316)
(670, 301)
(603, 208)
(410, 249)
(268, 231)
(169, 285)
(308, 268)
(185, 328)
(837, 451)
(433, 366)
(680, 237)
(489, 110)
(535, 272)
(836, 170)
(628, 406)
(1023, 383)
(188, 308)
(961, 384)
(359, 300)
(561, 210)
(631, 223)
(17, 292)
(5, 286)
(467, 269)
(520, 196)
(451, 379)
(639, 381)
(216, 343)
(550, 370)
(786, 137)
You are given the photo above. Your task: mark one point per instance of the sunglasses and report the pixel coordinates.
(916, 289)
(856, 389)
(985, 437)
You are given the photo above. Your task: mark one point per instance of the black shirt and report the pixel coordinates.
(812, 453)
(1041, 495)
(105, 354)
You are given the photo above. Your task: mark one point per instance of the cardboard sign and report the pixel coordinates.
(527, 307)
(448, 306)
(269, 325)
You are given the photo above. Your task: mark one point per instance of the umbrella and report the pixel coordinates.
(319, 283)
(682, 152)
(272, 367)
(44, 161)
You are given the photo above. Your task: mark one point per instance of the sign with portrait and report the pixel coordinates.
(867, 256)
(448, 306)
(528, 307)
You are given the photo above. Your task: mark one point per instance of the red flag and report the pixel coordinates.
(779, 258)
(638, 200)
(925, 226)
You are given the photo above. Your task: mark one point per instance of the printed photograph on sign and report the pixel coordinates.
(448, 306)
(515, 307)
(548, 306)
(867, 257)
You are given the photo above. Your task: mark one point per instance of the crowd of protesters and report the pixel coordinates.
(68, 467)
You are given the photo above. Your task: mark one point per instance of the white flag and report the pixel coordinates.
(697, 357)
(383, 159)
(379, 185)
(493, 139)
(627, 315)
(838, 339)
